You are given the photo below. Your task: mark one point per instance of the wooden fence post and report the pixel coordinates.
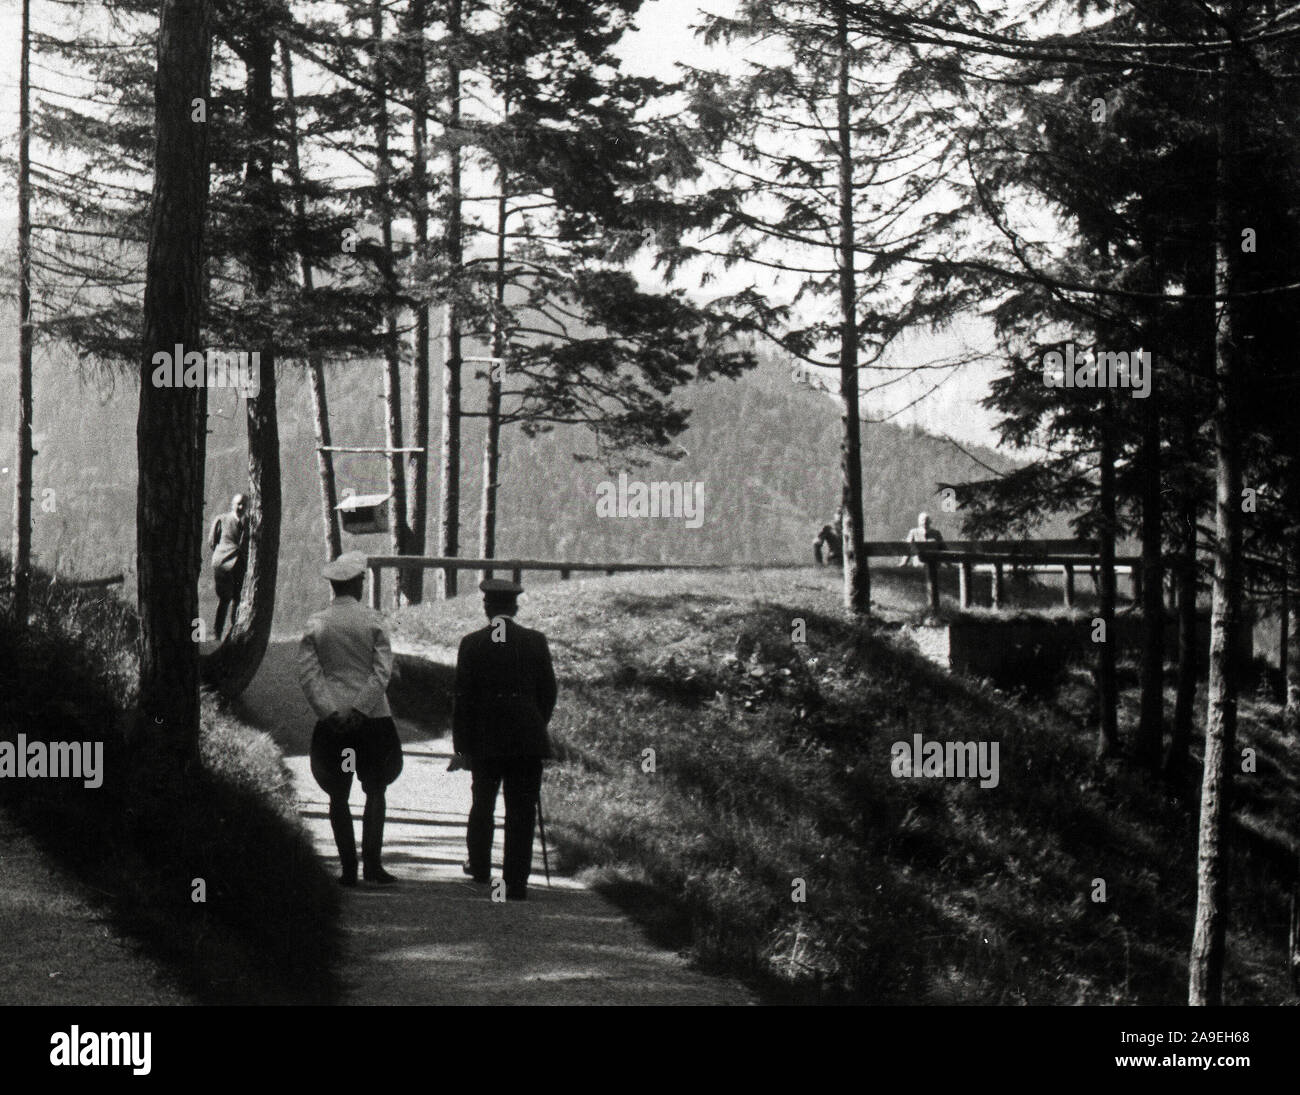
(1135, 581)
(967, 574)
(1069, 585)
(932, 582)
(375, 599)
(564, 574)
(517, 576)
(999, 592)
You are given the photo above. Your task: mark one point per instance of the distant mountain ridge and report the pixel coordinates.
(764, 448)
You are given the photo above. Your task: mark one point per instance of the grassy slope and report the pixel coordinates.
(266, 932)
(772, 764)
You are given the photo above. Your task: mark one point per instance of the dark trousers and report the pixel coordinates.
(372, 831)
(522, 777)
(229, 587)
(377, 751)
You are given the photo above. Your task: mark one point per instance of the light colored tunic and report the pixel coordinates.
(345, 660)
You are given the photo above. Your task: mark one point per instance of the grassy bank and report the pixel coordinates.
(265, 932)
(772, 778)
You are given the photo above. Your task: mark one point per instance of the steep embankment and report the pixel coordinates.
(55, 948)
(209, 872)
(771, 781)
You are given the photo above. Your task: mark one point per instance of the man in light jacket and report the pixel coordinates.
(344, 663)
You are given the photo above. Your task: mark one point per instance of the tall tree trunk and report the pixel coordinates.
(1284, 634)
(1150, 731)
(392, 350)
(172, 422)
(449, 487)
(492, 438)
(1107, 689)
(411, 582)
(1205, 980)
(857, 575)
(1189, 655)
(1291, 575)
(232, 666)
(21, 561)
(1200, 369)
(315, 367)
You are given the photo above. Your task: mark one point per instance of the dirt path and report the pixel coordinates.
(437, 939)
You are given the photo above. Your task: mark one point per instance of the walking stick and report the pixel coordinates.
(541, 825)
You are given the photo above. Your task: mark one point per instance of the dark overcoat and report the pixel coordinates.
(505, 693)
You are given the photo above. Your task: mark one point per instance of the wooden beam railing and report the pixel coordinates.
(1002, 548)
(1030, 554)
(448, 564)
(96, 583)
(997, 554)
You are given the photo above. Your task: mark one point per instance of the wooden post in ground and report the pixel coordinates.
(1069, 585)
(932, 582)
(966, 573)
(999, 591)
(517, 575)
(374, 588)
(449, 583)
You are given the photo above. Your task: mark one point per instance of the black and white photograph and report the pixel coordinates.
(650, 503)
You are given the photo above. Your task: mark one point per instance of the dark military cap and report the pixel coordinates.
(499, 587)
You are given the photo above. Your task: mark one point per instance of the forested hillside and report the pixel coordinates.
(765, 448)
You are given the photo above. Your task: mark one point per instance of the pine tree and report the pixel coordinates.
(814, 143)
(170, 431)
(260, 229)
(315, 365)
(21, 558)
(580, 173)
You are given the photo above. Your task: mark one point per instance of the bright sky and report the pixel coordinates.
(662, 40)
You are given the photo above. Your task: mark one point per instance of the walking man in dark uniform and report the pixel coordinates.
(229, 543)
(344, 663)
(505, 695)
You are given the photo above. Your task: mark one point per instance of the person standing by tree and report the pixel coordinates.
(229, 543)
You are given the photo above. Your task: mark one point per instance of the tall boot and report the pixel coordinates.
(344, 839)
(372, 839)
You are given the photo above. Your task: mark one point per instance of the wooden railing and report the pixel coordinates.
(998, 554)
(96, 583)
(966, 554)
(449, 565)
